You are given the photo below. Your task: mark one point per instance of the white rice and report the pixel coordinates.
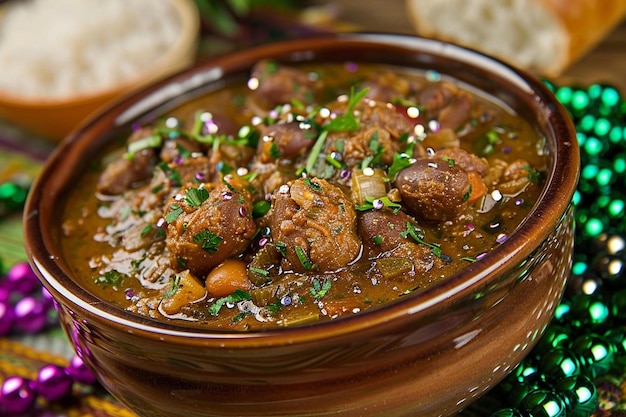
(57, 48)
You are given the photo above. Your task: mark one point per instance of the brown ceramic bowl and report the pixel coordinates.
(53, 118)
(430, 354)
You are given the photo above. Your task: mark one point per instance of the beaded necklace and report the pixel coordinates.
(583, 346)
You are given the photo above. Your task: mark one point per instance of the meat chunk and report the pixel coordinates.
(179, 148)
(457, 112)
(468, 161)
(434, 189)
(125, 173)
(383, 236)
(378, 136)
(387, 86)
(284, 140)
(314, 225)
(206, 227)
(280, 84)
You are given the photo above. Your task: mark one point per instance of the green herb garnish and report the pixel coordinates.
(174, 285)
(372, 203)
(112, 277)
(320, 289)
(237, 296)
(400, 161)
(417, 235)
(207, 240)
(194, 197)
(348, 122)
(303, 258)
(175, 211)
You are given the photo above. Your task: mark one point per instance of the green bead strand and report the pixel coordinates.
(587, 339)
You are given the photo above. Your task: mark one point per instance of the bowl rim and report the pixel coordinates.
(546, 214)
(187, 38)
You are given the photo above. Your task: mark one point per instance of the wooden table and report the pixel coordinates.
(604, 63)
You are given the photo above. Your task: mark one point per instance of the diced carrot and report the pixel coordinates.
(479, 188)
(227, 277)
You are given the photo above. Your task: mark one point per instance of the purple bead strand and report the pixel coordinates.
(25, 307)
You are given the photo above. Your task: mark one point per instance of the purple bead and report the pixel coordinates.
(22, 279)
(79, 371)
(53, 383)
(17, 396)
(30, 315)
(5, 294)
(7, 317)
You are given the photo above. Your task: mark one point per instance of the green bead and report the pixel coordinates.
(619, 163)
(579, 101)
(543, 403)
(616, 135)
(595, 353)
(602, 127)
(564, 95)
(610, 97)
(580, 395)
(593, 146)
(604, 177)
(579, 267)
(562, 311)
(585, 125)
(507, 412)
(555, 336)
(594, 226)
(589, 171)
(615, 208)
(559, 363)
(12, 196)
(589, 310)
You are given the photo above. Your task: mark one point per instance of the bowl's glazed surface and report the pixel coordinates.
(427, 355)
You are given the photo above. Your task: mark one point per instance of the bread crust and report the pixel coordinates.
(578, 24)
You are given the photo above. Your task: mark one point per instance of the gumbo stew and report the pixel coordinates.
(301, 194)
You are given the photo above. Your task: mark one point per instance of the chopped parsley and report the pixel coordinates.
(174, 285)
(146, 229)
(320, 289)
(207, 240)
(260, 271)
(372, 203)
(303, 258)
(175, 211)
(401, 160)
(417, 235)
(112, 278)
(312, 185)
(194, 197)
(172, 175)
(534, 175)
(237, 296)
(282, 248)
(274, 151)
(347, 121)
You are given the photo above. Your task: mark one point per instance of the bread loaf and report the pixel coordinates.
(543, 36)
